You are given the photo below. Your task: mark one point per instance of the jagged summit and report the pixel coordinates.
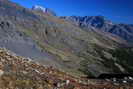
(123, 31)
(40, 8)
(87, 21)
(44, 10)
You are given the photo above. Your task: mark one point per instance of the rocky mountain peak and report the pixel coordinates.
(40, 8)
(87, 21)
(124, 31)
(44, 10)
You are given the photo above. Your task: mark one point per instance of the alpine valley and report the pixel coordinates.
(79, 46)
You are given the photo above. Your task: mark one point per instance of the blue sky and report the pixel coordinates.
(115, 10)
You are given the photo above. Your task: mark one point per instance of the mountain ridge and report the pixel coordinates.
(123, 31)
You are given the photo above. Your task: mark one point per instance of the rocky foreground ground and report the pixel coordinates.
(22, 73)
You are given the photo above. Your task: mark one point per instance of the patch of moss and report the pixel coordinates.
(124, 57)
(63, 55)
(28, 32)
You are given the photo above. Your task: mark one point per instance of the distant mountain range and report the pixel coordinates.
(124, 31)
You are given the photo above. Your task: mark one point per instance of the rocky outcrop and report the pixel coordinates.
(44, 10)
(17, 72)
